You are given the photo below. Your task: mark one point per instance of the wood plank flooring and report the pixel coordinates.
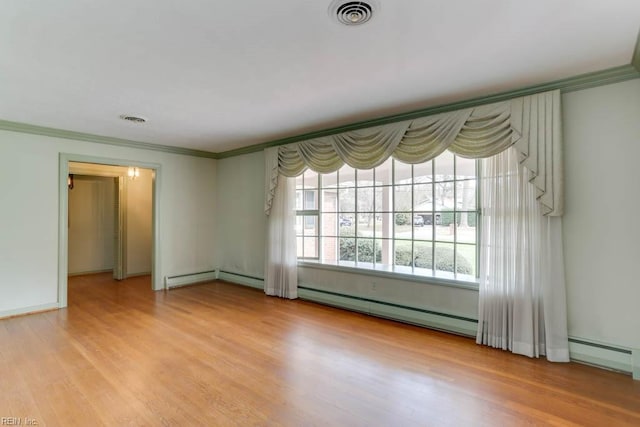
(223, 354)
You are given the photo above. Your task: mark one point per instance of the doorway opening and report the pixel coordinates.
(108, 219)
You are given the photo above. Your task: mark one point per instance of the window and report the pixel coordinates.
(307, 219)
(415, 219)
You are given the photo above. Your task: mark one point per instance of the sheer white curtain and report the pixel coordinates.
(281, 269)
(522, 292)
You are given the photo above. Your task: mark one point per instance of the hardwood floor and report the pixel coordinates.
(222, 354)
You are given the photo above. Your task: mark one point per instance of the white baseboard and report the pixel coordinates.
(431, 319)
(242, 279)
(84, 273)
(189, 279)
(145, 273)
(29, 310)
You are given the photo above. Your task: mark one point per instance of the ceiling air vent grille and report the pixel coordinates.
(133, 119)
(352, 12)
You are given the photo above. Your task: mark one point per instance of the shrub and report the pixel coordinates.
(422, 256)
(446, 218)
(365, 250)
(423, 259)
(403, 218)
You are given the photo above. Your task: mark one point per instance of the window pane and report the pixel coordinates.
(365, 224)
(365, 199)
(310, 179)
(310, 225)
(466, 259)
(444, 257)
(423, 172)
(402, 225)
(330, 249)
(347, 249)
(423, 197)
(330, 200)
(466, 195)
(346, 176)
(467, 231)
(310, 247)
(444, 166)
(421, 229)
(329, 224)
(402, 198)
(347, 225)
(310, 199)
(445, 230)
(465, 168)
(367, 250)
(365, 177)
(299, 221)
(330, 180)
(299, 180)
(383, 173)
(347, 202)
(401, 172)
(403, 255)
(383, 221)
(299, 199)
(423, 254)
(299, 246)
(386, 252)
(384, 201)
(444, 196)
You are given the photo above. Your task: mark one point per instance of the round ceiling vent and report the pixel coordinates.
(352, 12)
(133, 119)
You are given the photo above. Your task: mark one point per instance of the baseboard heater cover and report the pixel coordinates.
(459, 325)
(190, 279)
(617, 358)
(242, 279)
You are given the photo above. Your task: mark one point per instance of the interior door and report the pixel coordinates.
(119, 246)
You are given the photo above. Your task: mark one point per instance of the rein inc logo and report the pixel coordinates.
(17, 421)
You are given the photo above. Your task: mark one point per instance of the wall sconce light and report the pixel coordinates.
(133, 173)
(70, 181)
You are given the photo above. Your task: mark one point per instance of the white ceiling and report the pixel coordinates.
(217, 75)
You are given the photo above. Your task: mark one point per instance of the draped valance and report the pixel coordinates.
(531, 124)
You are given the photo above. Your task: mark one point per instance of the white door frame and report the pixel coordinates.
(63, 216)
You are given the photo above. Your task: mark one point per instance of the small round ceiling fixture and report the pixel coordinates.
(352, 12)
(133, 119)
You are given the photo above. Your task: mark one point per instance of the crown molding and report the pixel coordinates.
(88, 137)
(580, 82)
(571, 84)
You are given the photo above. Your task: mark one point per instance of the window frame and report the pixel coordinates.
(391, 270)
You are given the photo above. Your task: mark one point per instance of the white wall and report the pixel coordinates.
(29, 214)
(139, 214)
(242, 226)
(91, 220)
(601, 232)
(601, 228)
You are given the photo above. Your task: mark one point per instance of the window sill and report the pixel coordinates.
(442, 279)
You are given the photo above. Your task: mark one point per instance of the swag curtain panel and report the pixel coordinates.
(530, 125)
